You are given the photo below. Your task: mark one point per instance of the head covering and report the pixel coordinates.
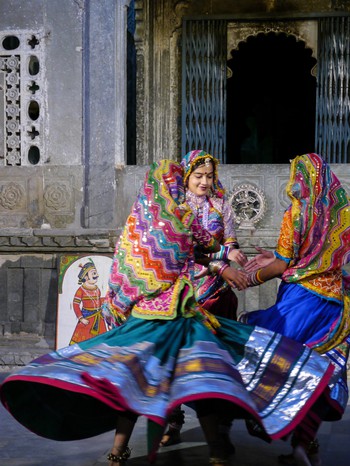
(156, 240)
(320, 218)
(84, 270)
(320, 213)
(193, 160)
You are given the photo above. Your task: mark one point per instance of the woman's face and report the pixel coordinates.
(201, 180)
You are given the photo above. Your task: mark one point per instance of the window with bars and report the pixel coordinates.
(333, 112)
(204, 75)
(22, 98)
(204, 86)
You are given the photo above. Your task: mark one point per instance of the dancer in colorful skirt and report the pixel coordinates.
(312, 304)
(206, 197)
(169, 350)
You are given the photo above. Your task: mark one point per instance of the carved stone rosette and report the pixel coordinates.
(249, 205)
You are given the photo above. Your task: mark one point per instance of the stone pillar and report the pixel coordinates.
(158, 48)
(104, 107)
(121, 61)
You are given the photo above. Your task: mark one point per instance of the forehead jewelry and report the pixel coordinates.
(207, 162)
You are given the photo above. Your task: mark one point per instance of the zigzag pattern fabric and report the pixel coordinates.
(320, 232)
(320, 217)
(153, 248)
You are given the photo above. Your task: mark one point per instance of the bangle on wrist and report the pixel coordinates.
(224, 267)
(258, 276)
(254, 278)
(215, 266)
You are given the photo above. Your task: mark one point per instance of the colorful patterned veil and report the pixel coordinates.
(320, 231)
(156, 241)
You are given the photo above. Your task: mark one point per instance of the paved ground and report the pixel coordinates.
(19, 447)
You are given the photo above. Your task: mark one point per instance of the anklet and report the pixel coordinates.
(119, 458)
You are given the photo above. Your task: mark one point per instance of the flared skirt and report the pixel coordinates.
(150, 367)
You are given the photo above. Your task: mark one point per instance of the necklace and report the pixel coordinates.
(93, 296)
(200, 206)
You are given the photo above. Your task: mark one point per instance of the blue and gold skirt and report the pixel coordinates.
(150, 367)
(307, 318)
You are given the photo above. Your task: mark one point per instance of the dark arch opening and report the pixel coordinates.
(271, 100)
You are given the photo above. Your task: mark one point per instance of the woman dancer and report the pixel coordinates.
(312, 304)
(206, 197)
(169, 350)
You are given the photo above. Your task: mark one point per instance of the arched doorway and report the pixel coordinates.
(271, 99)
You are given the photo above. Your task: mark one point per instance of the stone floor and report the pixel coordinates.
(19, 447)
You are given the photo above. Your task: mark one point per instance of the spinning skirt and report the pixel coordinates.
(150, 367)
(306, 317)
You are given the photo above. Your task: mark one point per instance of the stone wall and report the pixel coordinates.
(76, 196)
(29, 258)
(62, 91)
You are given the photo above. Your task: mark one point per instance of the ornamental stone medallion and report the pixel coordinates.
(249, 205)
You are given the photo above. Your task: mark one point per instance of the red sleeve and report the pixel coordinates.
(77, 301)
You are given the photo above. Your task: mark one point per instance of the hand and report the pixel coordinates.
(236, 255)
(84, 321)
(260, 260)
(235, 278)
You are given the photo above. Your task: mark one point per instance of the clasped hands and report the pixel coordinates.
(239, 278)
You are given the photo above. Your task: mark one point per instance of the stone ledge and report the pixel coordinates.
(41, 240)
(57, 232)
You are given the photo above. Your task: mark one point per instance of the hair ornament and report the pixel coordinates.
(196, 158)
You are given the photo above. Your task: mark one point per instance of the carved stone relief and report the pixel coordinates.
(305, 31)
(281, 196)
(59, 202)
(179, 9)
(12, 196)
(249, 205)
(22, 97)
(57, 197)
